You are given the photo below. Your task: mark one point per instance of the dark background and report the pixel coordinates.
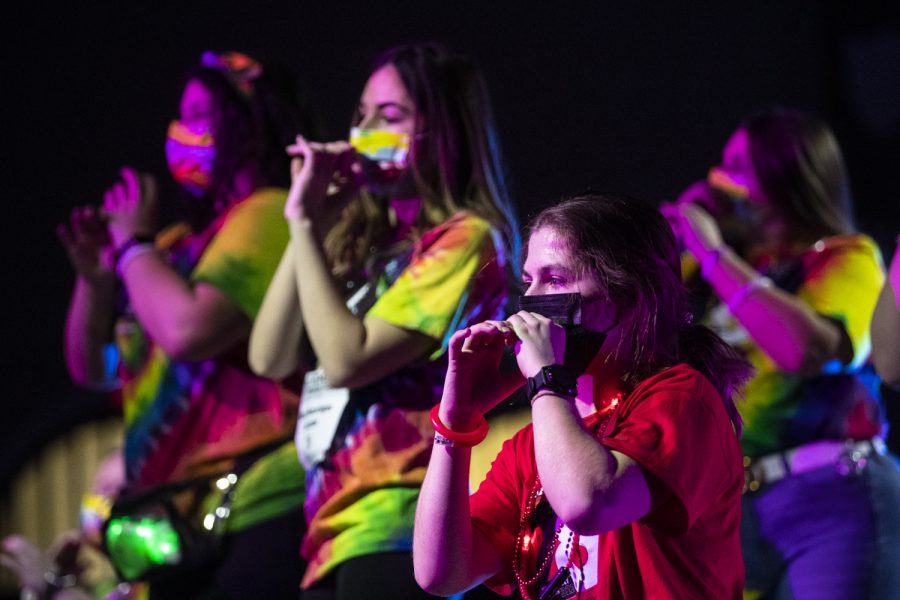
(622, 97)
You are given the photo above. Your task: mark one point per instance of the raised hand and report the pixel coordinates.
(474, 383)
(131, 206)
(27, 562)
(30, 564)
(87, 243)
(541, 342)
(692, 221)
(322, 180)
(700, 193)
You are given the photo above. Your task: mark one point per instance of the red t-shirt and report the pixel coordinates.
(675, 426)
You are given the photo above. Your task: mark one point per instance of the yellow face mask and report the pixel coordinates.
(388, 148)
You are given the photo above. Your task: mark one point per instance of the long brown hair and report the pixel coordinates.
(631, 251)
(251, 129)
(456, 166)
(801, 169)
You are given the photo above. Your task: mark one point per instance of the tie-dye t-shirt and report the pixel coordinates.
(839, 278)
(187, 417)
(361, 498)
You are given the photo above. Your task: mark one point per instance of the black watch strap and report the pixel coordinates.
(555, 378)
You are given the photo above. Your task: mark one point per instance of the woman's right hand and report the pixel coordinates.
(322, 180)
(474, 383)
(88, 244)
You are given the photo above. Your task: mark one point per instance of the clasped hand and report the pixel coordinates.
(129, 209)
(323, 180)
(474, 383)
(692, 221)
(131, 206)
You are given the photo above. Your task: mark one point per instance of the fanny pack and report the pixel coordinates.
(169, 529)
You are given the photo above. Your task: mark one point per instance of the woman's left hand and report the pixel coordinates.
(541, 341)
(86, 240)
(131, 206)
(694, 226)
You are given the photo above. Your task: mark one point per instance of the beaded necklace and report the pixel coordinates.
(531, 504)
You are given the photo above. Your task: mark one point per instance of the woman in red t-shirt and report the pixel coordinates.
(628, 482)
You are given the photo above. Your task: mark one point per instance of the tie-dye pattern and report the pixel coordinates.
(362, 498)
(181, 415)
(190, 154)
(839, 278)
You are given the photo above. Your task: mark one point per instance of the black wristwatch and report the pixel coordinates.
(556, 378)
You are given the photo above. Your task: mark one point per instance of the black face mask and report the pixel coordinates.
(582, 344)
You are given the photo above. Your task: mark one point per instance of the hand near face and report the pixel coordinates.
(87, 243)
(692, 222)
(700, 194)
(131, 206)
(474, 383)
(322, 179)
(541, 342)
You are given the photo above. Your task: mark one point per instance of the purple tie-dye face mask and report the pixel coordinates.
(190, 152)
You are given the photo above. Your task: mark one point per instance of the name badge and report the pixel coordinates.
(321, 408)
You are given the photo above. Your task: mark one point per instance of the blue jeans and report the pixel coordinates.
(824, 535)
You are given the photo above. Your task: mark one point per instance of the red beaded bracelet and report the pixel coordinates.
(459, 438)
